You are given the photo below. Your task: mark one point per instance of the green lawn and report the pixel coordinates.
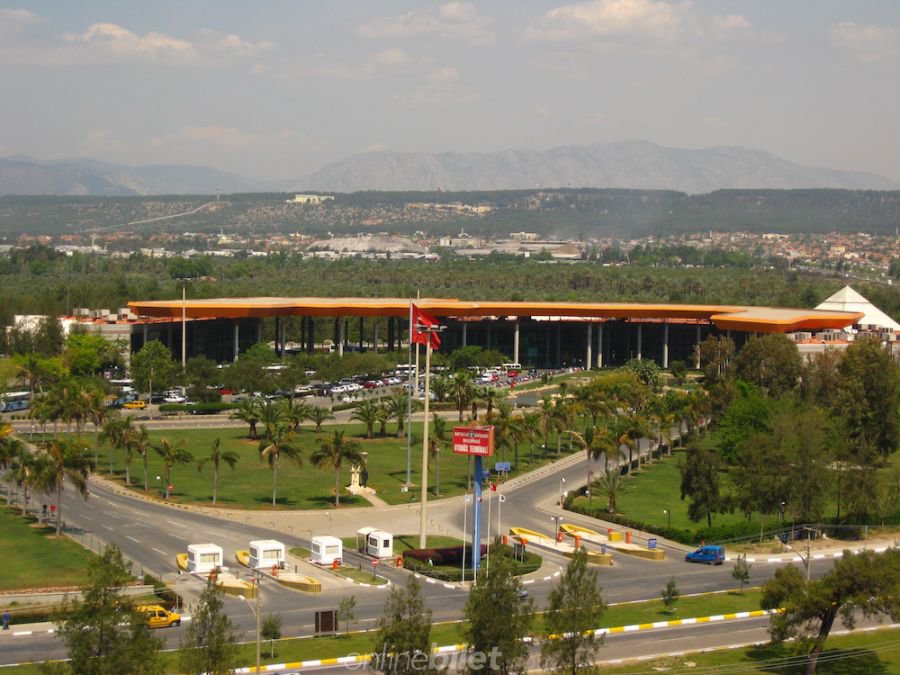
(28, 548)
(874, 653)
(647, 495)
(864, 653)
(250, 484)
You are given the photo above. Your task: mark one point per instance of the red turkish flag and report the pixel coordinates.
(420, 321)
(493, 487)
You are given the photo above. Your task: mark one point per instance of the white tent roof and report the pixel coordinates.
(848, 300)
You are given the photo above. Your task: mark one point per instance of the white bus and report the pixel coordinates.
(15, 400)
(511, 369)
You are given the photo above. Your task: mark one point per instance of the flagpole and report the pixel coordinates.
(500, 499)
(409, 400)
(424, 509)
(490, 501)
(465, 522)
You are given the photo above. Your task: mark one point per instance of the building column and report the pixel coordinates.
(277, 334)
(375, 335)
(599, 345)
(697, 349)
(237, 339)
(516, 342)
(283, 335)
(259, 331)
(665, 345)
(302, 333)
(465, 333)
(558, 344)
(588, 361)
(488, 336)
(390, 334)
(342, 332)
(146, 333)
(640, 340)
(310, 334)
(362, 326)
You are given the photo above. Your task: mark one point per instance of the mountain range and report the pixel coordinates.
(632, 164)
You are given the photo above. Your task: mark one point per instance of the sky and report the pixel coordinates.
(275, 89)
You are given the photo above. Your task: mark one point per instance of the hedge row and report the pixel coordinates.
(197, 408)
(684, 536)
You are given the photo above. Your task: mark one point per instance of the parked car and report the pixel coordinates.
(711, 555)
(135, 405)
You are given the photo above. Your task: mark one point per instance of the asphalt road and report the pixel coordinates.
(150, 534)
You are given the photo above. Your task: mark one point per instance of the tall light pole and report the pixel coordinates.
(183, 324)
(562, 481)
(256, 614)
(423, 517)
(668, 518)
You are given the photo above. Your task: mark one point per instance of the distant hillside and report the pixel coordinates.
(634, 165)
(25, 176)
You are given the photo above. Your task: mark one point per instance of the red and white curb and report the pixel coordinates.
(730, 557)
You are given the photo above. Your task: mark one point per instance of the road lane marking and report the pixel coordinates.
(109, 528)
(162, 553)
(136, 541)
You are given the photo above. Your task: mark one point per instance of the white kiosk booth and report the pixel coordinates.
(266, 553)
(204, 558)
(380, 544)
(362, 538)
(326, 549)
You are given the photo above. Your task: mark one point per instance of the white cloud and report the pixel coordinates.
(110, 42)
(102, 143)
(867, 44)
(390, 57)
(437, 93)
(453, 20)
(445, 74)
(609, 18)
(730, 24)
(228, 138)
(17, 17)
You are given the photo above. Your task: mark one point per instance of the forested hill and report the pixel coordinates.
(566, 213)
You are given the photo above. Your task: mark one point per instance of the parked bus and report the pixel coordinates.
(512, 369)
(15, 400)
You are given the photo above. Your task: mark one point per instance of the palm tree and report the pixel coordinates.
(441, 386)
(461, 391)
(331, 454)
(531, 429)
(397, 406)
(63, 459)
(610, 482)
(281, 443)
(294, 412)
(138, 440)
(318, 415)
(438, 439)
(172, 454)
(248, 411)
(17, 463)
(491, 396)
(271, 416)
(549, 418)
(117, 432)
(97, 412)
(216, 457)
(367, 412)
(382, 418)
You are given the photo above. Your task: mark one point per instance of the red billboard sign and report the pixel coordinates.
(473, 441)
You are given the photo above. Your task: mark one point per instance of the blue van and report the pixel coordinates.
(711, 555)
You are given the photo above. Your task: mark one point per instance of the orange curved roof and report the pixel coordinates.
(725, 317)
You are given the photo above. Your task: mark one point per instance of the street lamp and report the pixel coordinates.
(256, 614)
(668, 518)
(562, 481)
(330, 529)
(782, 507)
(159, 481)
(556, 531)
(806, 560)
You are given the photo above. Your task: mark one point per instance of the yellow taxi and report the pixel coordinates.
(159, 617)
(135, 405)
